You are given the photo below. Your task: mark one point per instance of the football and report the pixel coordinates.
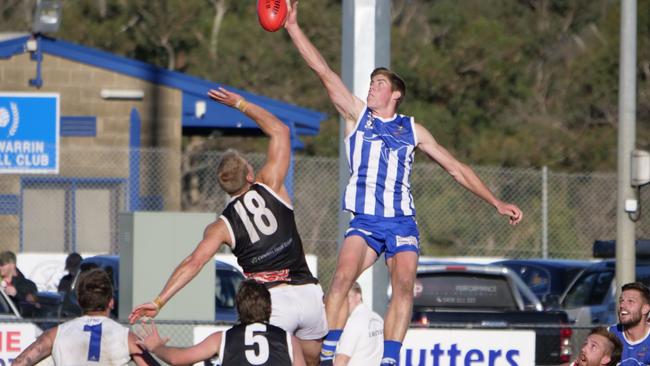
(271, 14)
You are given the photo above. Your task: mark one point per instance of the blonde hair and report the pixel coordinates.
(232, 171)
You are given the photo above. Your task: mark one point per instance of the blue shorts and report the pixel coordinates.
(387, 234)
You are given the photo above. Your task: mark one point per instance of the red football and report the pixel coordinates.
(271, 14)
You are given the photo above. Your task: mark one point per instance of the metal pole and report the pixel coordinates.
(366, 45)
(625, 250)
(544, 211)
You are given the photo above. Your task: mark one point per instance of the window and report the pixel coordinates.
(71, 214)
(590, 289)
(454, 290)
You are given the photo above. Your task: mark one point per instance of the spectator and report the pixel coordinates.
(600, 348)
(21, 290)
(632, 329)
(72, 263)
(362, 340)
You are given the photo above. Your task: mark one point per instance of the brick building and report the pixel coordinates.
(121, 124)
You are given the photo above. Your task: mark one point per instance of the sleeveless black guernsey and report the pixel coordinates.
(266, 241)
(255, 344)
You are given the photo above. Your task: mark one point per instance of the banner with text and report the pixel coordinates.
(441, 347)
(14, 338)
(29, 132)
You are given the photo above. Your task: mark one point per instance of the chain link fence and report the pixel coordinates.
(77, 209)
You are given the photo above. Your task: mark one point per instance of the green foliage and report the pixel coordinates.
(498, 82)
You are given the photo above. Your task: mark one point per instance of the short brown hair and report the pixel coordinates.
(396, 82)
(94, 290)
(232, 171)
(638, 286)
(616, 348)
(253, 302)
(7, 257)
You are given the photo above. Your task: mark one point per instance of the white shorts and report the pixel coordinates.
(299, 310)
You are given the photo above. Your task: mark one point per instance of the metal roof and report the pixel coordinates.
(303, 121)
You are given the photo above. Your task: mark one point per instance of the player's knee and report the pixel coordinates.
(342, 282)
(402, 287)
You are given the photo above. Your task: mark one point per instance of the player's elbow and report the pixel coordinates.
(281, 130)
(457, 171)
(195, 262)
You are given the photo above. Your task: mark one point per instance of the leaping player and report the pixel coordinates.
(380, 146)
(259, 226)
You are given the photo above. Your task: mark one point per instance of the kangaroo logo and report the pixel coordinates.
(6, 119)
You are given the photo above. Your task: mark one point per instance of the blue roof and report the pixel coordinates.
(302, 120)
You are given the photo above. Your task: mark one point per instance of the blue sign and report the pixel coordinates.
(29, 133)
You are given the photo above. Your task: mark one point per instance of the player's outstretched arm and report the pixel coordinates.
(152, 342)
(279, 151)
(464, 175)
(298, 357)
(41, 348)
(348, 105)
(214, 236)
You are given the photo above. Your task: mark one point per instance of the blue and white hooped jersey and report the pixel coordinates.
(380, 156)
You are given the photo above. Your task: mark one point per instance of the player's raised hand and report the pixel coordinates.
(225, 97)
(292, 13)
(147, 309)
(149, 339)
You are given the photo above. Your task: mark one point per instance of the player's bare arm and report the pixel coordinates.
(279, 151)
(139, 355)
(41, 348)
(348, 105)
(152, 342)
(463, 174)
(298, 357)
(214, 236)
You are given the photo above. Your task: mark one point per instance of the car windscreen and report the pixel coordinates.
(538, 279)
(590, 289)
(463, 290)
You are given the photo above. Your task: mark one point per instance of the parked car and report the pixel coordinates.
(591, 297)
(489, 296)
(227, 280)
(548, 279)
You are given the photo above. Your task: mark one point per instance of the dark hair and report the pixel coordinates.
(94, 290)
(7, 257)
(232, 171)
(72, 262)
(253, 302)
(396, 82)
(638, 286)
(616, 346)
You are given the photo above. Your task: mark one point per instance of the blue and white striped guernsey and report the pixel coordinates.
(380, 156)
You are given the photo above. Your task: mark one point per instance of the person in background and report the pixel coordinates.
(72, 263)
(362, 340)
(21, 290)
(633, 329)
(601, 348)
